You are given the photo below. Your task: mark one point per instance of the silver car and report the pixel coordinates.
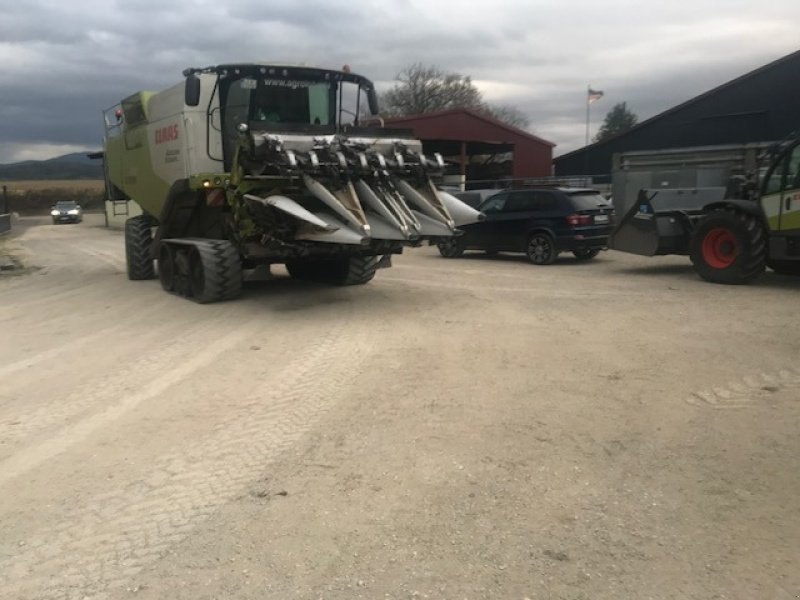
(66, 212)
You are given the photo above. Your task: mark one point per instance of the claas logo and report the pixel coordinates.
(166, 134)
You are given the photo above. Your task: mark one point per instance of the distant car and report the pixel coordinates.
(66, 212)
(540, 222)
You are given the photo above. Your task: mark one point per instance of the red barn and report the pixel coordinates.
(482, 146)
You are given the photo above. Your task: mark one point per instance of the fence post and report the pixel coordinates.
(5, 216)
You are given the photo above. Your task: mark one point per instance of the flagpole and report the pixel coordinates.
(588, 104)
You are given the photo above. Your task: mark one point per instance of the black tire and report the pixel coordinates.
(729, 247)
(215, 271)
(360, 270)
(138, 248)
(541, 249)
(450, 247)
(166, 267)
(785, 267)
(354, 270)
(586, 253)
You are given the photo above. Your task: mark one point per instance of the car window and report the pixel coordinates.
(546, 200)
(494, 204)
(588, 200)
(521, 202)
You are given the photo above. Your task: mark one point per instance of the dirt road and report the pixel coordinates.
(477, 428)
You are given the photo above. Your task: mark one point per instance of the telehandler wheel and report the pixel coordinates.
(138, 248)
(729, 247)
(451, 247)
(785, 267)
(215, 271)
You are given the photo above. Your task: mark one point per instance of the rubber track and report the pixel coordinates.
(222, 271)
(138, 242)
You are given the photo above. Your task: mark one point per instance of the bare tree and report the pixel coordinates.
(421, 89)
(510, 115)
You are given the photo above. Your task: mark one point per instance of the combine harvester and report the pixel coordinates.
(244, 165)
(731, 232)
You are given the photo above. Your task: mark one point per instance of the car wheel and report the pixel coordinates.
(586, 253)
(541, 249)
(450, 247)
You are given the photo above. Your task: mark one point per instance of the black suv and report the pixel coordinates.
(541, 222)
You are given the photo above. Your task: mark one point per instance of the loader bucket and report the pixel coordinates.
(660, 221)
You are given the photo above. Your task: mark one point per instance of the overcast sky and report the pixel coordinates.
(63, 61)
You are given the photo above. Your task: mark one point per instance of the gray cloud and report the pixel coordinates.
(60, 65)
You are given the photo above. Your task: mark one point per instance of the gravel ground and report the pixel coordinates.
(472, 428)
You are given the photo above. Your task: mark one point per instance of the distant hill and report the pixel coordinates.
(69, 166)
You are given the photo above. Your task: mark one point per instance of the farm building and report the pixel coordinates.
(481, 148)
(759, 106)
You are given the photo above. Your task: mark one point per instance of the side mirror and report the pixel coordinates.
(191, 93)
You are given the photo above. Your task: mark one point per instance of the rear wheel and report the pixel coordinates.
(541, 249)
(586, 253)
(785, 267)
(215, 271)
(138, 248)
(729, 247)
(451, 247)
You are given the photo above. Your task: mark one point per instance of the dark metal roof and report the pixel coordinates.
(757, 106)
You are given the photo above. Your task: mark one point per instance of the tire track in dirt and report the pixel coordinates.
(114, 535)
(31, 457)
(746, 392)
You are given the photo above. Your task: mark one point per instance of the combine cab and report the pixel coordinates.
(731, 233)
(245, 165)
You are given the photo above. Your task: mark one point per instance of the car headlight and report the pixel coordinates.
(73, 211)
(55, 213)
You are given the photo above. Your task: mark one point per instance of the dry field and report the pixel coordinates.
(73, 185)
(34, 197)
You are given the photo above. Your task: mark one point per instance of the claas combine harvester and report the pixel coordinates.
(242, 165)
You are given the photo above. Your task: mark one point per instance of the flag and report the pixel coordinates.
(594, 95)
